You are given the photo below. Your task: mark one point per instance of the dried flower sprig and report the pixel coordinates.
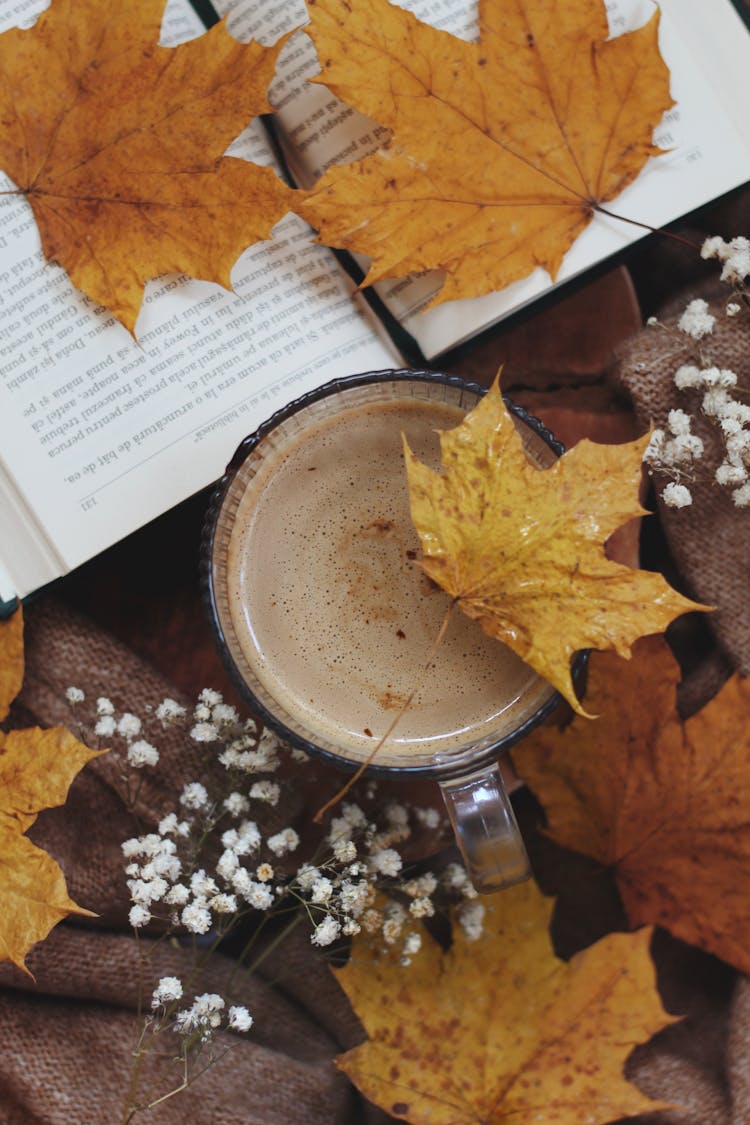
(674, 449)
(208, 867)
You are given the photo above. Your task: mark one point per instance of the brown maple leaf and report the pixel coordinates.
(521, 549)
(117, 144)
(511, 1033)
(664, 803)
(501, 150)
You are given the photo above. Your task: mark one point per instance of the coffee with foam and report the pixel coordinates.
(331, 610)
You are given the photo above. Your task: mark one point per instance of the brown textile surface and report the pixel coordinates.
(710, 540)
(68, 1034)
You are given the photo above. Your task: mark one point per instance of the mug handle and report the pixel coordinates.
(486, 829)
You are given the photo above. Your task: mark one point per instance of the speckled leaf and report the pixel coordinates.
(499, 1030)
(521, 549)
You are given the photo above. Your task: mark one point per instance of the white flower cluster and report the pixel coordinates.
(204, 1016)
(674, 449)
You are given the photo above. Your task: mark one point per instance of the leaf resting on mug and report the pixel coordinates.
(512, 1032)
(117, 144)
(664, 803)
(521, 549)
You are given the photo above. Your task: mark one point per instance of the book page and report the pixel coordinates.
(100, 433)
(709, 153)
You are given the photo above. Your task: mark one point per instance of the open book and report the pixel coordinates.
(101, 434)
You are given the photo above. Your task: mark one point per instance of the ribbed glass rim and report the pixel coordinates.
(441, 767)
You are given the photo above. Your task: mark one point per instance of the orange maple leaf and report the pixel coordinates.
(521, 549)
(664, 803)
(36, 769)
(11, 660)
(117, 144)
(511, 1033)
(502, 150)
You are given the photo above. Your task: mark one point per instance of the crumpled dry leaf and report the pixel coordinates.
(522, 549)
(36, 770)
(117, 144)
(11, 660)
(664, 803)
(510, 1033)
(501, 150)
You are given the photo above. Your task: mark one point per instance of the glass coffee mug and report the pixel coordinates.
(325, 620)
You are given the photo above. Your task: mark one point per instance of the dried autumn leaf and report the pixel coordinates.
(11, 660)
(512, 1033)
(522, 549)
(502, 150)
(664, 803)
(117, 144)
(36, 770)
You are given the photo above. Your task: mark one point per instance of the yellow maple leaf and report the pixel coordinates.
(36, 770)
(499, 1029)
(502, 150)
(664, 803)
(117, 144)
(521, 549)
(11, 660)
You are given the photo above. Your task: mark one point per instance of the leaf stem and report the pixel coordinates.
(647, 226)
(396, 719)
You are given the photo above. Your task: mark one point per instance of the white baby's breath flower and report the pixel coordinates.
(167, 991)
(344, 851)
(204, 732)
(129, 725)
(733, 308)
(74, 695)
(177, 895)
(687, 376)
(202, 885)
(268, 791)
(714, 247)
(104, 706)
(239, 1019)
(676, 495)
(236, 804)
(283, 842)
(224, 904)
(322, 890)
(730, 474)
(196, 918)
(326, 931)
(741, 496)
(421, 908)
(696, 320)
(105, 726)
(171, 826)
(142, 753)
(386, 862)
(306, 876)
(194, 796)
(139, 916)
(169, 710)
(248, 838)
(227, 864)
(715, 402)
(210, 698)
(678, 422)
(224, 713)
(264, 872)
(429, 817)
